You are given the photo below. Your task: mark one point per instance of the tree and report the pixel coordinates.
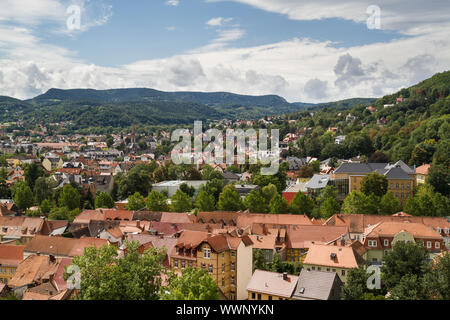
(329, 207)
(301, 204)
(437, 281)
(255, 202)
(357, 203)
(181, 202)
(46, 206)
(42, 189)
(105, 276)
(259, 261)
(356, 285)
(136, 202)
(315, 165)
(426, 202)
(156, 201)
(205, 201)
(374, 183)
(104, 200)
(389, 204)
(63, 213)
(109, 141)
(278, 204)
(410, 287)
(31, 173)
(379, 157)
(269, 192)
(190, 191)
(69, 197)
(23, 197)
(439, 178)
(305, 171)
(405, 258)
(193, 284)
(229, 199)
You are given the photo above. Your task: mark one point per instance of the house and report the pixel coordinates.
(422, 173)
(147, 241)
(401, 177)
(300, 238)
(292, 190)
(20, 228)
(265, 243)
(227, 259)
(318, 285)
(267, 285)
(339, 139)
(230, 177)
(357, 223)
(52, 162)
(317, 183)
(380, 238)
(10, 257)
(337, 259)
(171, 187)
(272, 221)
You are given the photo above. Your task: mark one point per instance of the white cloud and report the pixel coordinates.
(408, 16)
(219, 21)
(173, 3)
(171, 28)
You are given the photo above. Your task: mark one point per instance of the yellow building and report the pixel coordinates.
(226, 258)
(401, 177)
(422, 173)
(10, 257)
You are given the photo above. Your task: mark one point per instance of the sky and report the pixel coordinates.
(303, 50)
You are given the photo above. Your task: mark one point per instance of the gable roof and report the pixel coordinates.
(305, 236)
(321, 255)
(11, 255)
(390, 229)
(315, 285)
(33, 268)
(272, 283)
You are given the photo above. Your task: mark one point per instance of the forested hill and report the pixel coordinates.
(412, 125)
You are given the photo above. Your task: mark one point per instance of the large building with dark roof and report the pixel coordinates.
(401, 177)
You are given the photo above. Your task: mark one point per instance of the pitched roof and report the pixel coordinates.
(344, 257)
(33, 268)
(225, 217)
(423, 169)
(272, 283)
(11, 255)
(247, 219)
(60, 246)
(314, 285)
(390, 229)
(305, 236)
(266, 242)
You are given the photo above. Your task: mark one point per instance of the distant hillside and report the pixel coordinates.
(121, 107)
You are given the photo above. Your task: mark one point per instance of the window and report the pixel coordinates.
(270, 297)
(439, 230)
(223, 284)
(223, 267)
(253, 295)
(223, 255)
(175, 263)
(233, 253)
(319, 268)
(190, 264)
(354, 179)
(447, 230)
(328, 269)
(184, 251)
(386, 242)
(232, 280)
(207, 253)
(403, 186)
(334, 270)
(428, 244)
(343, 272)
(292, 251)
(437, 245)
(210, 268)
(232, 266)
(183, 264)
(203, 266)
(396, 186)
(314, 268)
(178, 250)
(372, 243)
(259, 296)
(407, 186)
(392, 186)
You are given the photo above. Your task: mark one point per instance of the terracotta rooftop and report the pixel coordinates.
(321, 255)
(266, 242)
(390, 229)
(305, 236)
(11, 255)
(33, 268)
(248, 219)
(423, 169)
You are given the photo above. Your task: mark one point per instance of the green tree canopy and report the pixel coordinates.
(104, 200)
(134, 276)
(23, 197)
(374, 183)
(136, 202)
(301, 204)
(156, 201)
(69, 197)
(205, 201)
(229, 199)
(181, 202)
(193, 284)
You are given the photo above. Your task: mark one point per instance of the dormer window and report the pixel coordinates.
(207, 253)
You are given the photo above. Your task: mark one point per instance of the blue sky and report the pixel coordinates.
(303, 50)
(153, 29)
